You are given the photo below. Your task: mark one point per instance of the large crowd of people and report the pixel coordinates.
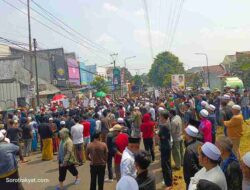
(109, 133)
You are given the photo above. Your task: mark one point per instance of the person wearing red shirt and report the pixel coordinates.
(86, 130)
(121, 142)
(147, 128)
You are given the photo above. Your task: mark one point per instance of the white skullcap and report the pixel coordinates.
(191, 131)
(211, 107)
(204, 103)
(246, 159)
(29, 118)
(127, 183)
(137, 108)
(31, 109)
(50, 119)
(211, 151)
(3, 131)
(226, 97)
(232, 90)
(1, 136)
(204, 113)
(160, 109)
(236, 107)
(120, 120)
(62, 123)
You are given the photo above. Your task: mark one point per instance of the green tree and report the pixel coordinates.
(194, 80)
(100, 84)
(241, 68)
(164, 65)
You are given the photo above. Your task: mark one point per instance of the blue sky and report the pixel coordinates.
(216, 27)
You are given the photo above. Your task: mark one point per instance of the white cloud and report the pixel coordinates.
(158, 38)
(139, 12)
(110, 7)
(105, 39)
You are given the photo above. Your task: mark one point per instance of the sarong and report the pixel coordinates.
(47, 151)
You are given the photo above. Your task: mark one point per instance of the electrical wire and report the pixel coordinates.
(52, 29)
(69, 27)
(146, 15)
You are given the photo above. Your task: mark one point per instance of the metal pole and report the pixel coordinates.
(29, 26)
(37, 89)
(208, 75)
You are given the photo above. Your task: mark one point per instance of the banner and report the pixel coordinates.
(178, 81)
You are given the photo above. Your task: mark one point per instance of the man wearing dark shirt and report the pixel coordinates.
(97, 153)
(27, 137)
(46, 134)
(145, 180)
(14, 133)
(165, 149)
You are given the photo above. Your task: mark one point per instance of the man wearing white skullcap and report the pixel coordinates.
(190, 162)
(127, 183)
(209, 158)
(205, 127)
(228, 100)
(246, 171)
(235, 128)
(4, 132)
(212, 118)
(204, 104)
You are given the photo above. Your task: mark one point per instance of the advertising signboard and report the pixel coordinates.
(116, 77)
(178, 81)
(73, 70)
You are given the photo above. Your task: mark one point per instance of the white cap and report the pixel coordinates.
(236, 107)
(232, 90)
(62, 123)
(3, 131)
(191, 131)
(226, 97)
(1, 136)
(211, 107)
(29, 118)
(211, 151)
(137, 108)
(204, 113)
(31, 109)
(50, 119)
(127, 183)
(120, 120)
(204, 103)
(160, 109)
(246, 159)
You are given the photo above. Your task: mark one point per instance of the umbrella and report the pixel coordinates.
(58, 97)
(100, 94)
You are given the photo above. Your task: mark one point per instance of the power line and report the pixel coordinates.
(50, 28)
(176, 24)
(58, 25)
(69, 27)
(148, 27)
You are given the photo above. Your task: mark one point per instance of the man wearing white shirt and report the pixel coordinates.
(77, 138)
(152, 111)
(128, 160)
(209, 156)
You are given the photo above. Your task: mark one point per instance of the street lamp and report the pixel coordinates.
(131, 57)
(204, 54)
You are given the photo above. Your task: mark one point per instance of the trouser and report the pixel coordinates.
(177, 153)
(97, 172)
(213, 138)
(27, 146)
(9, 182)
(55, 141)
(79, 152)
(117, 172)
(245, 112)
(20, 151)
(149, 146)
(236, 145)
(109, 164)
(166, 167)
(63, 171)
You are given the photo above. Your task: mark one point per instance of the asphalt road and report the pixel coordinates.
(48, 172)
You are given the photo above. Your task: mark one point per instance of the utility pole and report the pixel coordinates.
(37, 89)
(29, 26)
(208, 73)
(114, 59)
